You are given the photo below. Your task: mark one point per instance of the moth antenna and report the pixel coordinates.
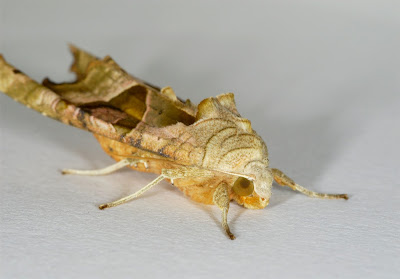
(284, 180)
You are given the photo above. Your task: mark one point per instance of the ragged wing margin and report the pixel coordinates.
(36, 96)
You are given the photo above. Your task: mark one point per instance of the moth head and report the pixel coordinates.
(254, 191)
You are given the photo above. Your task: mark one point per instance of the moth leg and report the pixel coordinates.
(106, 170)
(172, 174)
(283, 180)
(134, 195)
(221, 199)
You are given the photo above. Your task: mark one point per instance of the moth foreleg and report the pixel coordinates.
(134, 195)
(283, 180)
(221, 199)
(107, 170)
(172, 174)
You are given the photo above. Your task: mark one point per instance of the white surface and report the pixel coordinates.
(318, 79)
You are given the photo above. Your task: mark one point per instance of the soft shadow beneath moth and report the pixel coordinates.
(208, 151)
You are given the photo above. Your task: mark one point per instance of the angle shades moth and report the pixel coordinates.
(209, 151)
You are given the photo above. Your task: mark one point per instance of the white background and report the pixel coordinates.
(319, 80)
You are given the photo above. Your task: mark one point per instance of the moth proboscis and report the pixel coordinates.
(209, 152)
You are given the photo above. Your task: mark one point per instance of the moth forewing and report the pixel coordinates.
(209, 151)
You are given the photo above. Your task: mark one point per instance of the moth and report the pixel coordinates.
(209, 151)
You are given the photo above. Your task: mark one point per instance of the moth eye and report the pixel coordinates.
(243, 187)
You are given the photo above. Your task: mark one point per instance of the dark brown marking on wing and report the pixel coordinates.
(81, 118)
(161, 152)
(122, 138)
